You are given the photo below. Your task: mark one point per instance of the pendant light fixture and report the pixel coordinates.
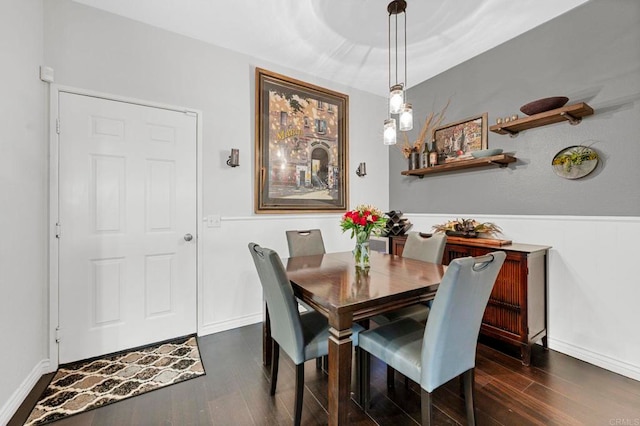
(390, 134)
(397, 94)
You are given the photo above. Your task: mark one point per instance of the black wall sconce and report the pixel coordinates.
(361, 170)
(234, 158)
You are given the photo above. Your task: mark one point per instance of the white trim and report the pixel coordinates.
(15, 400)
(439, 215)
(532, 217)
(280, 217)
(199, 223)
(216, 327)
(54, 213)
(604, 361)
(54, 92)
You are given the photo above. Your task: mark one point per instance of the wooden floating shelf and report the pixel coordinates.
(572, 114)
(496, 160)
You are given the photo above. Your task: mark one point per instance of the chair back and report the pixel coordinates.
(286, 328)
(453, 325)
(427, 249)
(305, 243)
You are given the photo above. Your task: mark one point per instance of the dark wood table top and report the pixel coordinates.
(332, 284)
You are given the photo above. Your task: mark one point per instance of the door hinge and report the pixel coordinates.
(57, 125)
(58, 230)
(58, 336)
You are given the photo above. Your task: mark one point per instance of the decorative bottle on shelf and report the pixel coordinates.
(414, 159)
(425, 156)
(433, 155)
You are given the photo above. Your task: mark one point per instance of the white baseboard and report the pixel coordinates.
(604, 361)
(217, 327)
(11, 406)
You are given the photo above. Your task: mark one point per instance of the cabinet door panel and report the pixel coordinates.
(508, 287)
(453, 252)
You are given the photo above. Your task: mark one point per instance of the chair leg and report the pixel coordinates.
(359, 393)
(391, 377)
(275, 355)
(322, 363)
(468, 380)
(297, 416)
(426, 401)
(365, 377)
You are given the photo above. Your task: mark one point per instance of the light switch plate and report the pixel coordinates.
(214, 221)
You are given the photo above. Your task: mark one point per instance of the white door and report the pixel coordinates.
(127, 209)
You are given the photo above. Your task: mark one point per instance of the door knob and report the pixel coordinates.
(188, 237)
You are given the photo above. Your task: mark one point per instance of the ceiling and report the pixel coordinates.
(345, 40)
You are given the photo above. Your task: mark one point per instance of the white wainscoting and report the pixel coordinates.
(230, 295)
(593, 282)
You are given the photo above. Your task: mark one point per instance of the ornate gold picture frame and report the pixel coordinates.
(301, 152)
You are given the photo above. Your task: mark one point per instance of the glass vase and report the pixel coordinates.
(361, 252)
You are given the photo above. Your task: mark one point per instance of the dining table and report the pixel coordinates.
(332, 284)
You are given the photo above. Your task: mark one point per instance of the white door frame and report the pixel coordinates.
(54, 251)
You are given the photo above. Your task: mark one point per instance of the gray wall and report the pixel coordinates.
(23, 212)
(100, 51)
(590, 54)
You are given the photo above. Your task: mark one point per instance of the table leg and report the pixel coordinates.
(340, 348)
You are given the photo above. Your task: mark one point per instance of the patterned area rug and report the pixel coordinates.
(85, 385)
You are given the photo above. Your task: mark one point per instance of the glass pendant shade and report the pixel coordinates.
(390, 131)
(396, 99)
(406, 118)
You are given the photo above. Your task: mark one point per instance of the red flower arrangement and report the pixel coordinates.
(363, 221)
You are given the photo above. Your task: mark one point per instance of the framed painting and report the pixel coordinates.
(458, 140)
(301, 148)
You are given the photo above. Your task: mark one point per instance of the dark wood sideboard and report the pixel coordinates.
(517, 310)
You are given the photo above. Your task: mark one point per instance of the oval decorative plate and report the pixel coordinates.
(575, 162)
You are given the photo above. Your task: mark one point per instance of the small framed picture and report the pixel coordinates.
(458, 140)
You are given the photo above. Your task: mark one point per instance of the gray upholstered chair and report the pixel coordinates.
(305, 243)
(303, 336)
(445, 348)
(427, 249)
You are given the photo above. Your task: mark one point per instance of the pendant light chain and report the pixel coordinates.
(405, 54)
(396, 46)
(389, 55)
(397, 91)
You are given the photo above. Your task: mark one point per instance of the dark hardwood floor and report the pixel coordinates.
(554, 390)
